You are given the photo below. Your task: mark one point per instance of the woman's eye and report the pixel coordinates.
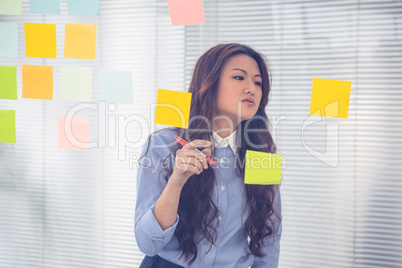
(258, 83)
(237, 77)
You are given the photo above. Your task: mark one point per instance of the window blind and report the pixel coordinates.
(341, 188)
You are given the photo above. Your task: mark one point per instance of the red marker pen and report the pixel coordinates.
(184, 142)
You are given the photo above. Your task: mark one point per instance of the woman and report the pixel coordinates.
(190, 214)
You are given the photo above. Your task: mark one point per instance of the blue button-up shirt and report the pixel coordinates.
(231, 246)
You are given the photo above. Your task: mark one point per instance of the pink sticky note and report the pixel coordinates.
(184, 12)
(73, 132)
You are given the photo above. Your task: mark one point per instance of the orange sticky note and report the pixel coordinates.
(173, 108)
(73, 132)
(262, 168)
(330, 98)
(37, 82)
(185, 12)
(40, 40)
(80, 41)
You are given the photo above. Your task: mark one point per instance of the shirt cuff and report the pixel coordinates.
(154, 230)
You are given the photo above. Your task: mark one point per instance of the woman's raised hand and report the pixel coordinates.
(190, 161)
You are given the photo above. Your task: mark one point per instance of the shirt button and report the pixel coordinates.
(220, 218)
(213, 245)
(223, 142)
(222, 160)
(222, 187)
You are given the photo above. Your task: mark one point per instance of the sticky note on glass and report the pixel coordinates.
(173, 108)
(80, 7)
(73, 132)
(45, 6)
(75, 83)
(7, 126)
(37, 82)
(185, 12)
(330, 98)
(80, 41)
(9, 40)
(11, 7)
(262, 168)
(8, 82)
(40, 40)
(116, 86)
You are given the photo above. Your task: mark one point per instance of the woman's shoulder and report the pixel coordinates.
(163, 139)
(165, 135)
(159, 144)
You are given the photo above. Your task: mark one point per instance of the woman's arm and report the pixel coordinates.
(156, 215)
(149, 235)
(167, 204)
(187, 163)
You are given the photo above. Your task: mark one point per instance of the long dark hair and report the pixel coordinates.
(197, 210)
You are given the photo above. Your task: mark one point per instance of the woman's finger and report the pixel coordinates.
(197, 143)
(207, 152)
(194, 156)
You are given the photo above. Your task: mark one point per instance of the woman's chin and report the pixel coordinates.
(247, 117)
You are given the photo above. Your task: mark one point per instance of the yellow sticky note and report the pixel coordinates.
(37, 82)
(330, 97)
(262, 168)
(40, 40)
(173, 108)
(80, 41)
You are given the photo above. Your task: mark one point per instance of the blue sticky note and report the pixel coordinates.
(45, 6)
(116, 86)
(9, 40)
(83, 7)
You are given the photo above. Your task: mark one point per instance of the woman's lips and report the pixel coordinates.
(248, 102)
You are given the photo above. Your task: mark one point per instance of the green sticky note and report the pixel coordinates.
(7, 126)
(8, 82)
(76, 83)
(11, 7)
(262, 168)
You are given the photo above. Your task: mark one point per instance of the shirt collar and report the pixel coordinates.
(224, 142)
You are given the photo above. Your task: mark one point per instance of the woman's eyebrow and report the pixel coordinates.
(244, 71)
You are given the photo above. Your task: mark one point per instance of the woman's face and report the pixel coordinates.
(240, 79)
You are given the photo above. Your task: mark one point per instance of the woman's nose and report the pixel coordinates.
(249, 87)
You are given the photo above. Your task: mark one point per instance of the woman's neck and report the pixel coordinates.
(223, 128)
